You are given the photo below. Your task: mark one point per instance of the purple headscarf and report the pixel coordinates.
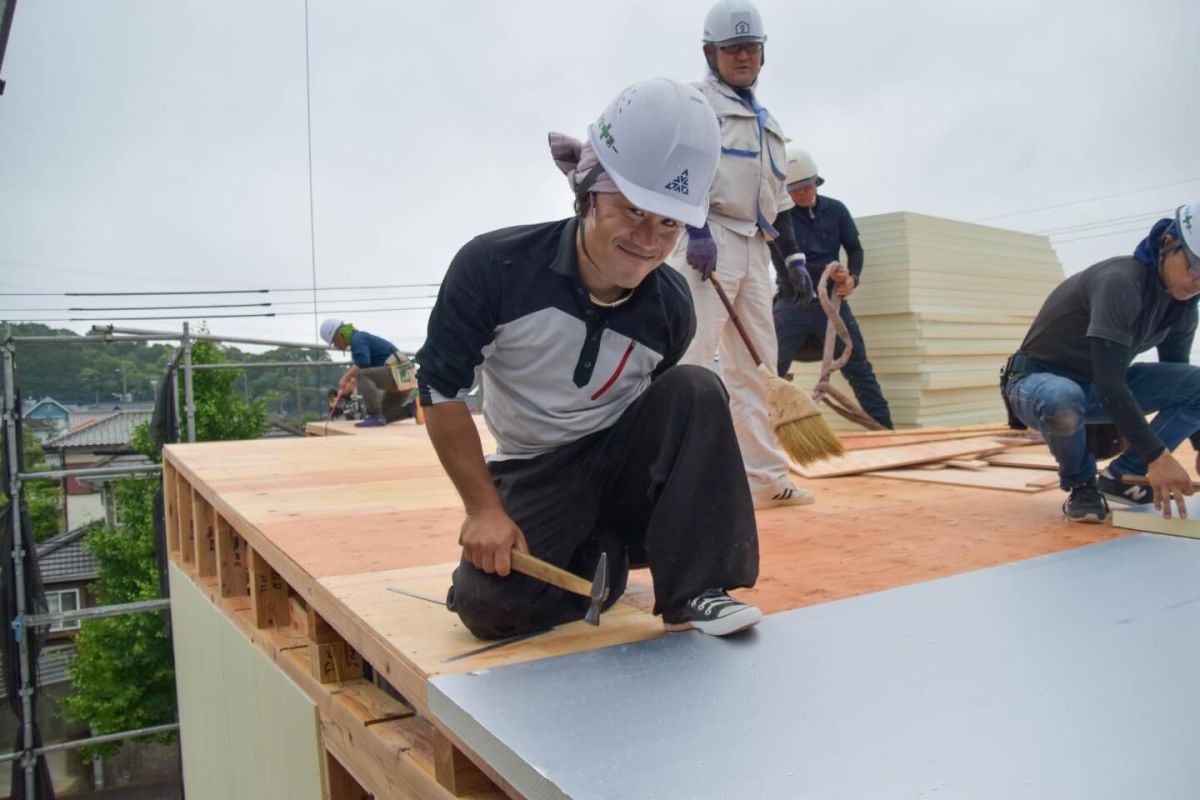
(576, 159)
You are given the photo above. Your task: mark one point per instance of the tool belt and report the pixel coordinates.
(404, 371)
(1103, 438)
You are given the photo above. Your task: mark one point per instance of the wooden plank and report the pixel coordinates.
(187, 533)
(1027, 457)
(1044, 482)
(269, 598)
(204, 532)
(1144, 518)
(1008, 479)
(454, 769)
(233, 572)
(407, 639)
(872, 460)
(170, 507)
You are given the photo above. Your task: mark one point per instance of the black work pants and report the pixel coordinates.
(665, 485)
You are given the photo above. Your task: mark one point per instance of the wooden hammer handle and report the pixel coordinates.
(543, 571)
(1138, 480)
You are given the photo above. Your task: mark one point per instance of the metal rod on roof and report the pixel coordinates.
(96, 612)
(262, 364)
(91, 472)
(92, 339)
(109, 330)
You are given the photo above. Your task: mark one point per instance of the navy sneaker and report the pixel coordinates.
(372, 421)
(1086, 504)
(1125, 493)
(713, 612)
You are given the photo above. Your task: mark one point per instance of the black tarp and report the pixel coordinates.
(35, 603)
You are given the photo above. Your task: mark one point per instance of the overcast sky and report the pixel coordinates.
(153, 146)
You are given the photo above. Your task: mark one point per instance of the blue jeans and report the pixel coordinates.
(1059, 408)
(796, 324)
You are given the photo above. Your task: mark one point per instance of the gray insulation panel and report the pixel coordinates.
(1071, 675)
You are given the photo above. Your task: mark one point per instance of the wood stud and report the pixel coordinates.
(233, 573)
(269, 594)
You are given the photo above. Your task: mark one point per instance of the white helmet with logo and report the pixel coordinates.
(733, 21)
(1187, 220)
(801, 168)
(328, 328)
(660, 143)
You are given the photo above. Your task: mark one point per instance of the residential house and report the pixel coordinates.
(101, 442)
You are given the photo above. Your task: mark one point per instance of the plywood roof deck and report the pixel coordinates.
(341, 518)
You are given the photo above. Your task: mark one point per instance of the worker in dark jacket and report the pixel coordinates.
(822, 226)
(386, 378)
(1076, 366)
(605, 443)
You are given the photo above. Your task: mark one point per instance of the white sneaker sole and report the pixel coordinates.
(739, 620)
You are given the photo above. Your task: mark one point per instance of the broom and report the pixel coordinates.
(797, 421)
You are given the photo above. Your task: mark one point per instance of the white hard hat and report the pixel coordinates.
(1187, 220)
(328, 328)
(801, 168)
(660, 143)
(733, 21)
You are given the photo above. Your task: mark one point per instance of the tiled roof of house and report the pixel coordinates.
(114, 430)
(63, 558)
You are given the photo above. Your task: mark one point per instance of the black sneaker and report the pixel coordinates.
(1125, 493)
(714, 612)
(1086, 504)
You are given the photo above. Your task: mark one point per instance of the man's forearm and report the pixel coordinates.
(456, 440)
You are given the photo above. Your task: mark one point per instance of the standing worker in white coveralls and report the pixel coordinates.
(749, 192)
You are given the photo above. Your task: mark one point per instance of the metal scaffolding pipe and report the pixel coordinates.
(90, 472)
(97, 612)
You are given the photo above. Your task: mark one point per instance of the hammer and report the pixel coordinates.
(597, 591)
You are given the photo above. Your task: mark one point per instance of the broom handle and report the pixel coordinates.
(737, 323)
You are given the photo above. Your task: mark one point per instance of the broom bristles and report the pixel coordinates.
(809, 440)
(798, 423)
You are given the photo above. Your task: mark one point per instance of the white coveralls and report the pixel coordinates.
(748, 193)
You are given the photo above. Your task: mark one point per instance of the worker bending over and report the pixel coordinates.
(603, 443)
(1075, 369)
(386, 378)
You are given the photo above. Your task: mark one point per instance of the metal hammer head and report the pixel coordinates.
(599, 591)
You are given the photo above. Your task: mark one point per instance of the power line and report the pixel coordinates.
(224, 316)
(1102, 223)
(220, 305)
(1086, 200)
(1139, 230)
(226, 291)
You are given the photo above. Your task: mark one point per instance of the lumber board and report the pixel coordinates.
(1146, 519)
(1028, 457)
(873, 460)
(416, 636)
(1008, 479)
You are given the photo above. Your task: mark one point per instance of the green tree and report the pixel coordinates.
(122, 672)
(44, 498)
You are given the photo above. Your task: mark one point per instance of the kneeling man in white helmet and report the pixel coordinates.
(1075, 372)
(604, 445)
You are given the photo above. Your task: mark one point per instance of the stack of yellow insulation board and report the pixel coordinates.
(942, 304)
